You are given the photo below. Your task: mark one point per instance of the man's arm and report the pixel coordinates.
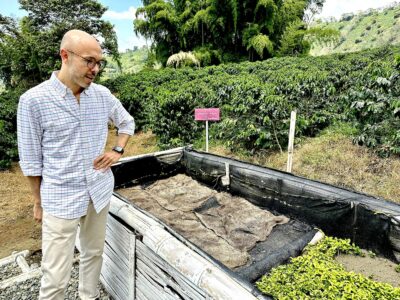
(34, 182)
(29, 132)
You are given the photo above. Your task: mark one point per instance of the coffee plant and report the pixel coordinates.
(256, 100)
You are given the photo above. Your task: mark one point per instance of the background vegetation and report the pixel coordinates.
(228, 30)
(367, 30)
(131, 61)
(256, 100)
(255, 97)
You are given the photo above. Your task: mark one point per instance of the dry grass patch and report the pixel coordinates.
(333, 158)
(139, 143)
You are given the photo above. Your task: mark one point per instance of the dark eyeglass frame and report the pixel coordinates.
(91, 63)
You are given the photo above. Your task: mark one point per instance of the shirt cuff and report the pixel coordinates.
(31, 168)
(128, 128)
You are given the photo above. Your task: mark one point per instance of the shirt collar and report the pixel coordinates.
(61, 88)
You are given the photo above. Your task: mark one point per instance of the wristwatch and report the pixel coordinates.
(118, 149)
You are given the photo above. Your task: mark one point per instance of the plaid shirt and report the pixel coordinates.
(59, 139)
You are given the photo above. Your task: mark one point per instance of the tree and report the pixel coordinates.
(29, 50)
(229, 29)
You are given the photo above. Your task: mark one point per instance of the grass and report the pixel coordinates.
(331, 157)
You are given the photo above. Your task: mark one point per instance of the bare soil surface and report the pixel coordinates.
(375, 268)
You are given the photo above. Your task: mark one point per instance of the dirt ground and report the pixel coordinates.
(317, 159)
(375, 268)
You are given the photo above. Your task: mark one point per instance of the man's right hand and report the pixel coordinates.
(37, 212)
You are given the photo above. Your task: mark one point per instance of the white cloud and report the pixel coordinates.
(130, 42)
(125, 15)
(335, 8)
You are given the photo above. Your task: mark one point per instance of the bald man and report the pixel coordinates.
(62, 132)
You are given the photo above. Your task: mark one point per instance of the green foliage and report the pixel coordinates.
(293, 41)
(29, 51)
(316, 275)
(260, 43)
(132, 61)
(376, 27)
(243, 29)
(8, 127)
(256, 100)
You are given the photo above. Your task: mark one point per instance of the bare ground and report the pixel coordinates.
(332, 158)
(375, 268)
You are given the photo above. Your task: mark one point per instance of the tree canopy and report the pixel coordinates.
(29, 49)
(225, 30)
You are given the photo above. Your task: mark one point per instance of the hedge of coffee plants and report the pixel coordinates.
(256, 100)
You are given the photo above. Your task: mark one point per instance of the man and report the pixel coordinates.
(62, 131)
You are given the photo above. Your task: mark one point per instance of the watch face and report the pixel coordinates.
(118, 149)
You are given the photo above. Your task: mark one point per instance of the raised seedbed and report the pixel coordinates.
(150, 253)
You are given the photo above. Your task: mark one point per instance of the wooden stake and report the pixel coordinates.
(206, 136)
(291, 141)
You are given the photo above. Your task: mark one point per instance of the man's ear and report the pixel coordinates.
(64, 55)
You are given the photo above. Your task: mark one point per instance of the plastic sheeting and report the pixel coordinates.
(370, 222)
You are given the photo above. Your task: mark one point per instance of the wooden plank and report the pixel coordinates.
(291, 141)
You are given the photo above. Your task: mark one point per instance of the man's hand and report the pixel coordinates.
(37, 212)
(104, 161)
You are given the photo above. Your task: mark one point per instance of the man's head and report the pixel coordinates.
(81, 57)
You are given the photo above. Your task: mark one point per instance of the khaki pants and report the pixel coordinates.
(58, 241)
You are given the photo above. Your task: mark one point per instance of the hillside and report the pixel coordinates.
(366, 30)
(132, 61)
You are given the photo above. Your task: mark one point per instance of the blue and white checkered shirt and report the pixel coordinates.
(59, 139)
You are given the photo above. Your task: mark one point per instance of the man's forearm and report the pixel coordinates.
(122, 139)
(34, 182)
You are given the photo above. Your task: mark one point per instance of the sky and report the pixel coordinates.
(121, 14)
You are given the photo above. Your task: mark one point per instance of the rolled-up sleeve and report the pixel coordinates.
(121, 118)
(29, 134)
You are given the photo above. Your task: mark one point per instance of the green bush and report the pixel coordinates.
(256, 99)
(8, 127)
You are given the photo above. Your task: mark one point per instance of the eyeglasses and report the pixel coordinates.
(91, 63)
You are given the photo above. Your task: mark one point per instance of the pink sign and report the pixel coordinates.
(206, 114)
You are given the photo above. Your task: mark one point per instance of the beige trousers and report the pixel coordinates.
(58, 241)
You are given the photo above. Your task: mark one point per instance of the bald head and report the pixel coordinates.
(81, 59)
(77, 39)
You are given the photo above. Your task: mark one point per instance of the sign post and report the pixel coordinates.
(207, 114)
